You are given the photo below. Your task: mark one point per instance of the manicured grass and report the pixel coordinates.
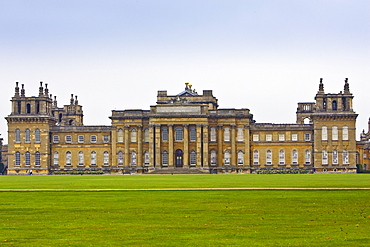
(259, 217)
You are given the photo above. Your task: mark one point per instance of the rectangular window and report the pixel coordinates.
(164, 134)
(93, 138)
(56, 139)
(307, 137)
(281, 137)
(324, 133)
(294, 137)
(334, 132)
(68, 139)
(345, 133)
(106, 138)
(80, 139)
(240, 134)
(268, 137)
(226, 134)
(324, 157)
(193, 134)
(256, 137)
(213, 134)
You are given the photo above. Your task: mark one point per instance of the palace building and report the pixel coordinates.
(185, 132)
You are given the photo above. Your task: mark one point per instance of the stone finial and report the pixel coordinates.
(16, 94)
(76, 101)
(41, 90)
(346, 86)
(46, 90)
(72, 100)
(186, 86)
(23, 91)
(55, 102)
(321, 86)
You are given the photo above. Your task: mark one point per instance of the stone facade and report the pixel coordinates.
(185, 132)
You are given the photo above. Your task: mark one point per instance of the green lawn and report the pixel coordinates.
(260, 217)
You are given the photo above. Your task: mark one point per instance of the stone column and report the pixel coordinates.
(233, 145)
(113, 140)
(170, 145)
(157, 145)
(247, 147)
(199, 145)
(140, 146)
(220, 152)
(151, 145)
(127, 146)
(205, 145)
(186, 145)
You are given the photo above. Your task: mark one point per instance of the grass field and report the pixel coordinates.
(80, 216)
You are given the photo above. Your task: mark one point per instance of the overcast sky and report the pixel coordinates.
(263, 55)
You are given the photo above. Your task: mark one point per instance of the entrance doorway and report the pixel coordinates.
(178, 157)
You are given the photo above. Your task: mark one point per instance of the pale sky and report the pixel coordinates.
(264, 55)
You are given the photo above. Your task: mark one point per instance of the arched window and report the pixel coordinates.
(213, 157)
(164, 134)
(28, 108)
(28, 136)
(81, 158)
(213, 134)
(178, 134)
(227, 134)
(345, 133)
(307, 157)
(120, 158)
(240, 134)
(146, 135)
(227, 158)
(28, 158)
(345, 157)
(133, 158)
(37, 135)
(294, 157)
(334, 105)
(146, 158)
(106, 158)
(68, 158)
(37, 159)
(335, 157)
(256, 157)
(93, 158)
(324, 157)
(193, 158)
(165, 158)
(268, 157)
(56, 159)
(17, 158)
(334, 133)
(240, 158)
(324, 133)
(193, 134)
(133, 135)
(17, 135)
(281, 157)
(120, 135)
(19, 107)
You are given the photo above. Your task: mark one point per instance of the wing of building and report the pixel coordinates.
(184, 132)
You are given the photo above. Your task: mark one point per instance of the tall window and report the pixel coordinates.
(37, 135)
(345, 133)
(37, 159)
(133, 158)
(164, 134)
(324, 133)
(193, 158)
(295, 157)
(28, 158)
(28, 108)
(81, 158)
(240, 134)
(335, 157)
(178, 134)
(56, 158)
(17, 135)
(240, 158)
(213, 134)
(334, 105)
(227, 157)
(93, 158)
(193, 134)
(165, 158)
(17, 158)
(146, 158)
(106, 158)
(307, 157)
(334, 132)
(256, 157)
(120, 158)
(146, 135)
(227, 134)
(133, 135)
(213, 157)
(28, 135)
(68, 158)
(281, 157)
(120, 135)
(324, 157)
(345, 157)
(268, 157)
